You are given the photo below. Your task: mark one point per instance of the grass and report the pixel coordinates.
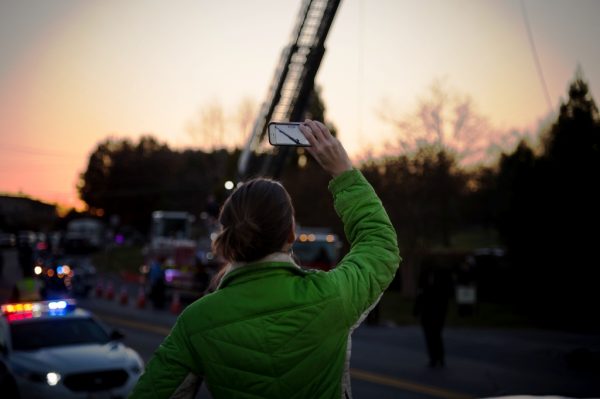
(394, 306)
(119, 259)
(473, 238)
(399, 310)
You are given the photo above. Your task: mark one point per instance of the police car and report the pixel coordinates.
(53, 349)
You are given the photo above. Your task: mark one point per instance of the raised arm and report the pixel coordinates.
(367, 270)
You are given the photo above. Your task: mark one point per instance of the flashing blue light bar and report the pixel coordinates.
(17, 311)
(57, 305)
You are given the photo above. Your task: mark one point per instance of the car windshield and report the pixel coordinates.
(56, 332)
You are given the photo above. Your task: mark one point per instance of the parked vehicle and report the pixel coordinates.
(317, 248)
(53, 349)
(173, 249)
(85, 234)
(7, 240)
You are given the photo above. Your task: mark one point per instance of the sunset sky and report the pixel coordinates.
(73, 72)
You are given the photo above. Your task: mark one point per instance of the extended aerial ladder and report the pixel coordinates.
(291, 86)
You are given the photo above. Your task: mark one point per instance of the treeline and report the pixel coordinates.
(541, 203)
(544, 204)
(130, 180)
(548, 214)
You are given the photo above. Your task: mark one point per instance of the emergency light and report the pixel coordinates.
(26, 310)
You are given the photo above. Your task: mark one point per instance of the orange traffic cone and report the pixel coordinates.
(141, 299)
(110, 291)
(99, 289)
(175, 303)
(123, 296)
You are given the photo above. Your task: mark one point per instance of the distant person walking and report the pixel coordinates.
(212, 207)
(1, 265)
(272, 329)
(25, 256)
(431, 307)
(157, 283)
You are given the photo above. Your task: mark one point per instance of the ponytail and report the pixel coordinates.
(256, 220)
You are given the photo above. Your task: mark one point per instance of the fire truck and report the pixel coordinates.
(181, 244)
(189, 263)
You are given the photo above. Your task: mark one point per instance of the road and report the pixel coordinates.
(390, 362)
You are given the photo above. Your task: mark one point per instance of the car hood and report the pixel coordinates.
(76, 358)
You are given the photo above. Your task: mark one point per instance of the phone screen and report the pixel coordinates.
(287, 133)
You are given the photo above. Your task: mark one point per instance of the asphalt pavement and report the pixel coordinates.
(390, 361)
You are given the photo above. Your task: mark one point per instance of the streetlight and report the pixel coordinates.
(229, 185)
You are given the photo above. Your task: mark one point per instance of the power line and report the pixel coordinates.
(37, 152)
(534, 53)
(360, 67)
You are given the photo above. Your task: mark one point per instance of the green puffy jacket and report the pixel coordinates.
(273, 330)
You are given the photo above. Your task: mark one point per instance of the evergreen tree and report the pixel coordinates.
(549, 214)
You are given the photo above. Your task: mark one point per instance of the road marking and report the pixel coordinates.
(355, 373)
(406, 385)
(134, 324)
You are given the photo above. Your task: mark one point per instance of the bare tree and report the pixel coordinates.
(208, 126)
(443, 119)
(213, 127)
(244, 118)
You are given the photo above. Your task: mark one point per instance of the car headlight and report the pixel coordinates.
(52, 378)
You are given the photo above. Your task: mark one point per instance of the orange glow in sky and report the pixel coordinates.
(73, 72)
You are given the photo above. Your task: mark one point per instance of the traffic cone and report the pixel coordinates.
(99, 289)
(141, 299)
(110, 291)
(123, 296)
(175, 303)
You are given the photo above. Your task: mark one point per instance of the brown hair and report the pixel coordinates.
(256, 220)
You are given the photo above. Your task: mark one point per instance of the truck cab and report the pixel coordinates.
(317, 248)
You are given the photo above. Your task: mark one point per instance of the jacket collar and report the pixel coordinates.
(245, 271)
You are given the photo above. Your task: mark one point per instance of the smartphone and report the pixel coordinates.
(287, 133)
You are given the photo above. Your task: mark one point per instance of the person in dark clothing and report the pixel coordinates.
(431, 307)
(25, 258)
(157, 284)
(212, 207)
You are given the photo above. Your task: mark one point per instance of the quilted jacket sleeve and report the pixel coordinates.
(367, 270)
(172, 369)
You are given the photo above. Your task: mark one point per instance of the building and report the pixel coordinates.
(22, 213)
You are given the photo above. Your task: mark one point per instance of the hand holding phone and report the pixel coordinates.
(325, 148)
(286, 134)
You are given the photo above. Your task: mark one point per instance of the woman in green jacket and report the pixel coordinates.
(272, 329)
